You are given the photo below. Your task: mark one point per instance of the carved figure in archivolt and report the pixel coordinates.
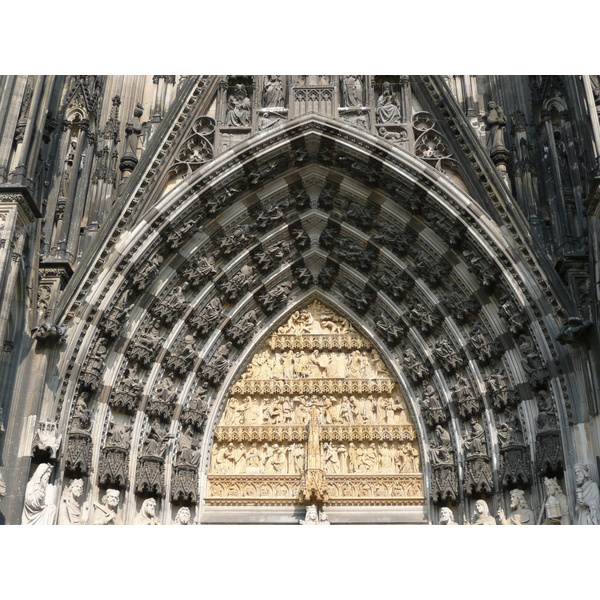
(440, 450)
(475, 442)
(39, 508)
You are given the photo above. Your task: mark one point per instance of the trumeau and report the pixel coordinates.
(299, 299)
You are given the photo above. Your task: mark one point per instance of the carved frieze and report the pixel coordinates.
(323, 422)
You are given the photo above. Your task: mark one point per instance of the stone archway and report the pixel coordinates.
(466, 321)
(315, 418)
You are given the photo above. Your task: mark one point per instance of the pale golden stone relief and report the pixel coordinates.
(317, 407)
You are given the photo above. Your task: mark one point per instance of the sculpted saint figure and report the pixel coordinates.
(557, 506)
(387, 110)
(522, 514)
(312, 516)
(446, 517)
(495, 122)
(147, 514)
(587, 497)
(36, 511)
(70, 511)
(105, 513)
(475, 442)
(352, 90)
(273, 91)
(238, 108)
(183, 516)
(482, 516)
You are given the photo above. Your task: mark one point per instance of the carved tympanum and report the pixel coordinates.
(315, 416)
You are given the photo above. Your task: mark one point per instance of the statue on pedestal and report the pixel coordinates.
(587, 497)
(38, 509)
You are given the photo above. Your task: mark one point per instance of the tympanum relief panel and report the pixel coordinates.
(315, 416)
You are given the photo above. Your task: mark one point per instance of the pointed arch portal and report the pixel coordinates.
(315, 216)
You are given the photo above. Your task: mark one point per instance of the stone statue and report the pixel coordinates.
(239, 108)
(440, 452)
(273, 91)
(387, 110)
(446, 517)
(312, 516)
(105, 512)
(147, 514)
(475, 442)
(183, 516)
(352, 90)
(556, 505)
(521, 515)
(587, 497)
(37, 509)
(495, 122)
(70, 512)
(482, 516)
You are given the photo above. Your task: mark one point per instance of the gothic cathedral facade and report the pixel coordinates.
(315, 299)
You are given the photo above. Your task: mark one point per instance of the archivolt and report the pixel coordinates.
(312, 204)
